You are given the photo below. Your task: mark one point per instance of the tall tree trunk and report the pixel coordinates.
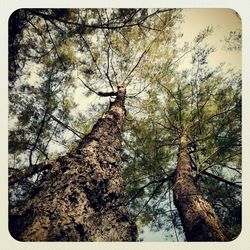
(81, 197)
(199, 220)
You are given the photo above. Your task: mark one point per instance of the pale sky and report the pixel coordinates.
(223, 21)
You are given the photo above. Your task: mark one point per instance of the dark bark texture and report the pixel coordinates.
(199, 220)
(81, 197)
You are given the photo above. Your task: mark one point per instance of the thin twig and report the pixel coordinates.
(138, 62)
(59, 57)
(146, 185)
(37, 137)
(92, 55)
(150, 198)
(74, 131)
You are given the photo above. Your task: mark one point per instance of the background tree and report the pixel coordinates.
(205, 104)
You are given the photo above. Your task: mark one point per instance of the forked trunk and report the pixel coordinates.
(81, 198)
(199, 220)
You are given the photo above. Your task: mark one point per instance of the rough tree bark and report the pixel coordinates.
(81, 197)
(199, 220)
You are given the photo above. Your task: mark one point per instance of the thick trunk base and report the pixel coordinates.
(81, 197)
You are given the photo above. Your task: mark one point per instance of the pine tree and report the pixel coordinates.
(187, 139)
(78, 195)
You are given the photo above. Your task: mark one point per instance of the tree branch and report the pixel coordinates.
(138, 62)
(99, 93)
(92, 55)
(107, 71)
(221, 179)
(150, 198)
(18, 175)
(194, 167)
(59, 57)
(96, 26)
(66, 126)
(214, 164)
(148, 184)
(169, 91)
(37, 137)
(134, 95)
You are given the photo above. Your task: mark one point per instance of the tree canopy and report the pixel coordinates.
(60, 58)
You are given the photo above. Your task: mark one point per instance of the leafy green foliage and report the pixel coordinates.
(57, 53)
(50, 49)
(206, 102)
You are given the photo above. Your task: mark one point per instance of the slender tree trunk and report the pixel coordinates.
(199, 220)
(81, 197)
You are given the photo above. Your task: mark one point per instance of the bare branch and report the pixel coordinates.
(47, 144)
(169, 91)
(172, 126)
(74, 131)
(97, 26)
(146, 185)
(113, 68)
(134, 95)
(211, 155)
(92, 55)
(221, 179)
(194, 167)
(37, 136)
(108, 59)
(99, 93)
(179, 58)
(216, 163)
(55, 47)
(138, 62)
(87, 86)
(105, 94)
(150, 198)
(107, 72)
(18, 175)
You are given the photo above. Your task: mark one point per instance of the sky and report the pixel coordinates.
(223, 21)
